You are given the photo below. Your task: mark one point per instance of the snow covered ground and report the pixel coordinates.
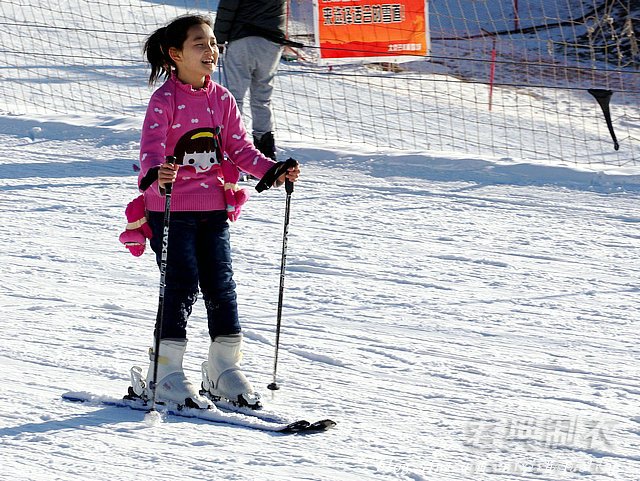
(460, 317)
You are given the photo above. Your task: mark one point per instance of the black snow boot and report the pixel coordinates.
(266, 144)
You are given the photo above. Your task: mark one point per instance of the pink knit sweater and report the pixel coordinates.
(181, 121)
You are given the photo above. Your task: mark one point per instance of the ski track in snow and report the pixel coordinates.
(454, 329)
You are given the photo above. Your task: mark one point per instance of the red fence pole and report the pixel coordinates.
(492, 72)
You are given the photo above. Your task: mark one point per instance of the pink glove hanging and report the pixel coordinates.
(138, 231)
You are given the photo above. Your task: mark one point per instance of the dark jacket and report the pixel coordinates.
(246, 18)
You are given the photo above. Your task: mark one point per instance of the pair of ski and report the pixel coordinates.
(221, 413)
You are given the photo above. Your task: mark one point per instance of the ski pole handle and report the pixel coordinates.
(168, 187)
(269, 179)
(288, 186)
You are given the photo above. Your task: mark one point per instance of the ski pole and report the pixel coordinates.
(224, 80)
(163, 277)
(288, 185)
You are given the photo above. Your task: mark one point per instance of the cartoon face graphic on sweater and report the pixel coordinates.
(201, 161)
(197, 149)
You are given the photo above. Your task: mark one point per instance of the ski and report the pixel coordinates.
(269, 423)
(269, 416)
(261, 413)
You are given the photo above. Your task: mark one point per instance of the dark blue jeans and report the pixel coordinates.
(198, 255)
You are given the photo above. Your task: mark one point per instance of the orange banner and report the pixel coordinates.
(371, 30)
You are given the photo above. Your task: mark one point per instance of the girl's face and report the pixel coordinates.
(198, 56)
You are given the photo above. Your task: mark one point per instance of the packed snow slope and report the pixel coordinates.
(460, 318)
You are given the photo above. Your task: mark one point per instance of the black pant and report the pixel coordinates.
(198, 254)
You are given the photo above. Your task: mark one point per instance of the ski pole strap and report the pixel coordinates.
(217, 144)
(149, 178)
(279, 168)
(292, 43)
(152, 175)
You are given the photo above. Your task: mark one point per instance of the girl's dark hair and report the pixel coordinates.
(159, 42)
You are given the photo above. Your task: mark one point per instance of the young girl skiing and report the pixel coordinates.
(195, 123)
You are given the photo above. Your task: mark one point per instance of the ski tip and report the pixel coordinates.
(305, 427)
(322, 425)
(69, 396)
(295, 427)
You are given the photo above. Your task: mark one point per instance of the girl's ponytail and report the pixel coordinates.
(156, 51)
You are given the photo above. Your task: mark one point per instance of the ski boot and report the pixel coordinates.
(222, 377)
(173, 386)
(266, 144)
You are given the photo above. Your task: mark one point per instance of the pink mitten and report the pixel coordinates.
(138, 231)
(235, 200)
(234, 195)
